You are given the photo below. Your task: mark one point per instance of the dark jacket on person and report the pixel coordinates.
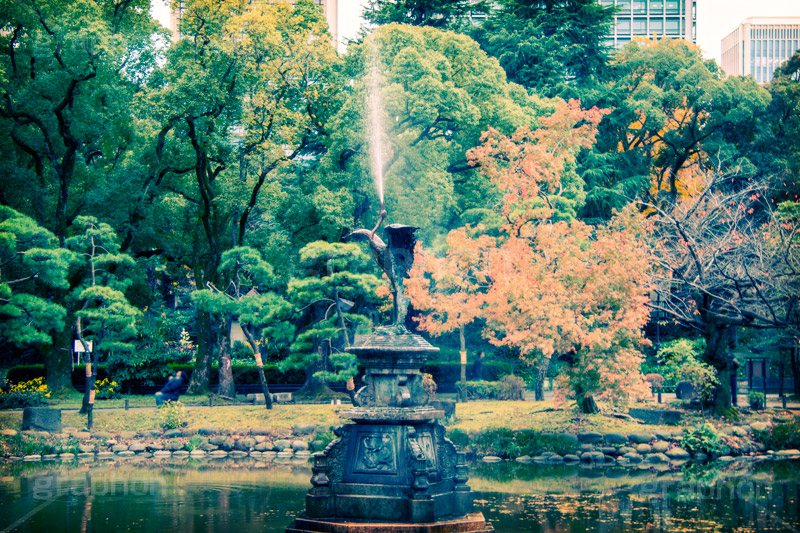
(172, 390)
(477, 369)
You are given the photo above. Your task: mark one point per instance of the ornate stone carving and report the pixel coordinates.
(376, 453)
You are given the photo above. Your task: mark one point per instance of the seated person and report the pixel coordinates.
(172, 390)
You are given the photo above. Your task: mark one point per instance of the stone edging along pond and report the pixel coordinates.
(655, 448)
(636, 449)
(268, 443)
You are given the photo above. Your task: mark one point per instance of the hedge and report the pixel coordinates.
(451, 372)
(242, 374)
(443, 373)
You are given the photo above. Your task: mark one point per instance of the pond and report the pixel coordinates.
(244, 496)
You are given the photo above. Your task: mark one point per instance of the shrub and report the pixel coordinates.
(757, 400)
(703, 438)
(656, 381)
(25, 394)
(106, 389)
(508, 388)
(478, 390)
(173, 415)
(495, 441)
(511, 387)
(20, 444)
(532, 442)
(681, 360)
(322, 440)
(459, 438)
(194, 443)
(429, 385)
(504, 442)
(783, 436)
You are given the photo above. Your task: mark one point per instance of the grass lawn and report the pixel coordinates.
(74, 400)
(542, 416)
(228, 417)
(470, 416)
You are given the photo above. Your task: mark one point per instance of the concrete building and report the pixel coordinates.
(759, 45)
(676, 19)
(329, 7)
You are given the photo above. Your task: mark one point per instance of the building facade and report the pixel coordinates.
(758, 46)
(329, 7)
(676, 19)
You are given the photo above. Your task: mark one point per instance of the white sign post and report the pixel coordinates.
(78, 349)
(79, 346)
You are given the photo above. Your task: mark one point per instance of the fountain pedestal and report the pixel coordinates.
(393, 468)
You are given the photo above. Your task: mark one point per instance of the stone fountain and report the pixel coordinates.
(392, 468)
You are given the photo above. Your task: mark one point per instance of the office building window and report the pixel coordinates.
(656, 8)
(639, 25)
(672, 26)
(624, 6)
(656, 25)
(639, 6)
(624, 26)
(672, 7)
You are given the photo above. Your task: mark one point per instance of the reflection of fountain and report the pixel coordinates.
(393, 469)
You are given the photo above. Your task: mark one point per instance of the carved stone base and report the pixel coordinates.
(472, 523)
(389, 473)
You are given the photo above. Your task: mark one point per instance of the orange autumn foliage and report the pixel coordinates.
(546, 287)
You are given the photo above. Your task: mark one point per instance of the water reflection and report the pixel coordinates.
(235, 496)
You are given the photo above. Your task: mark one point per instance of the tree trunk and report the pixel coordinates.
(58, 362)
(717, 336)
(90, 389)
(795, 361)
(313, 386)
(462, 340)
(541, 374)
(227, 387)
(587, 405)
(91, 374)
(205, 346)
(259, 364)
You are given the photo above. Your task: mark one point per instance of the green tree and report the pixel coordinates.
(240, 101)
(674, 116)
(31, 263)
(244, 297)
(103, 315)
(68, 74)
(332, 297)
(783, 142)
(546, 45)
(443, 14)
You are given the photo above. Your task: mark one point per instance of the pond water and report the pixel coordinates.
(246, 496)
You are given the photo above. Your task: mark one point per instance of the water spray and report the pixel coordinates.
(376, 139)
